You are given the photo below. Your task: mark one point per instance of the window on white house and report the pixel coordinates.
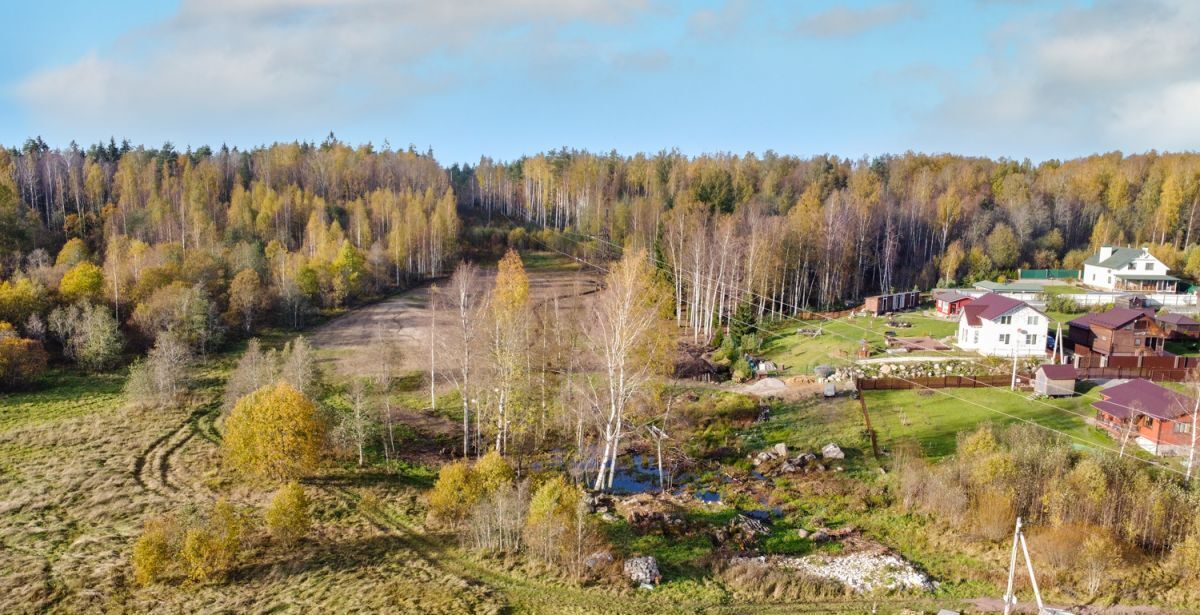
(1149, 266)
(1004, 320)
(1004, 338)
(1131, 266)
(1031, 338)
(976, 338)
(1032, 320)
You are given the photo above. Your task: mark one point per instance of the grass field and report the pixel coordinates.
(934, 419)
(840, 339)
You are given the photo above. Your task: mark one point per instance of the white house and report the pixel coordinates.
(1114, 268)
(1000, 326)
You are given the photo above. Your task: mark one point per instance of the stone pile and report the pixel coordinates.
(742, 530)
(862, 572)
(643, 571)
(775, 460)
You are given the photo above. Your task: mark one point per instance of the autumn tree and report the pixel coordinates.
(159, 379)
(508, 340)
(21, 360)
(83, 282)
(289, 515)
(88, 333)
(273, 434)
(628, 340)
(247, 300)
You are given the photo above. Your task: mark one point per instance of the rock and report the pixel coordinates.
(750, 525)
(787, 467)
(808, 458)
(831, 451)
(802, 533)
(608, 518)
(780, 449)
(598, 559)
(819, 536)
(643, 570)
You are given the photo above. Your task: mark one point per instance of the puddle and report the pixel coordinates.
(708, 497)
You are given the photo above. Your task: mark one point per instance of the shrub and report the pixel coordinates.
(496, 522)
(158, 379)
(288, 517)
(741, 370)
(994, 514)
(188, 311)
(21, 360)
(1063, 303)
(211, 547)
(274, 434)
(551, 515)
(154, 550)
(1098, 556)
(454, 494)
(72, 253)
(21, 298)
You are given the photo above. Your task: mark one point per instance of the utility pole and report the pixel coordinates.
(1010, 598)
(1014, 371)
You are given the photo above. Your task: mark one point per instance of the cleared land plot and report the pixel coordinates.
(933, 419)
(839, 339)
(406, 316)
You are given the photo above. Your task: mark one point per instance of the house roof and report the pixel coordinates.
(1112, 319)
(1119, 259)
(1144, 397)
(990, 307)
(949, 296)
(1013, 287)
(1177, 319)
(1154, 277)
(1058, 372)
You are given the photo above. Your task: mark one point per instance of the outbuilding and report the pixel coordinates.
(950, 303)
(1054, 380)
(1179, 326)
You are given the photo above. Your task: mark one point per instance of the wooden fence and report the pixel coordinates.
(937, 382)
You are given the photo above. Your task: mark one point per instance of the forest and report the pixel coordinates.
(514, 353)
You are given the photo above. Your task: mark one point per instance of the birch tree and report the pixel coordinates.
(627, 337)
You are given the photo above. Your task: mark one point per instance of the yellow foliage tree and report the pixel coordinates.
(288, 517)
(274, 434)
(493, 472)
(72, 253)
(83, 281)
(454, 494)
(154, 550)
(210, 549)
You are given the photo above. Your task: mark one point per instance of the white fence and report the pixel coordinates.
(1155, 300)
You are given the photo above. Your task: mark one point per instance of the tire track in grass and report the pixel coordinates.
(523, 594)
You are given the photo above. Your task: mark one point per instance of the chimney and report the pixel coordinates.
(1105, 252)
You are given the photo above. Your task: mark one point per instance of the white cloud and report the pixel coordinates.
(843, 21)
(283, 62)
(1114, 75)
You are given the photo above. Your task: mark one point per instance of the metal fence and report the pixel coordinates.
(1048, 274)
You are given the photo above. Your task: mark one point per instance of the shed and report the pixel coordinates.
(894, 302)
(1133, 301)
(949, 302)
(1054, 380)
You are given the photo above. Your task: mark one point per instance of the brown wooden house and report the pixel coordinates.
(1119, 331)
(1179, 326)
(1159, 419)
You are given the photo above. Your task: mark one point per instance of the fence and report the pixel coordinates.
(939, 382)
(1169, 361)
(1048, 274)
(1154, 300)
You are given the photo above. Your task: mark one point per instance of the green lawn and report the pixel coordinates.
(1063, 289)
(839, 340)
(933, 419)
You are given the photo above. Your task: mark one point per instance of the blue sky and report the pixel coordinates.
(1056, 78)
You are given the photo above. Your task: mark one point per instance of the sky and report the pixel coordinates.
(1034, 79)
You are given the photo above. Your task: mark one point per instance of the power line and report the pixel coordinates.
(795, 307)
(914, 383)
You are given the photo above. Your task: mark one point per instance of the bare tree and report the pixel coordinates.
(626, 336)
(462, 298)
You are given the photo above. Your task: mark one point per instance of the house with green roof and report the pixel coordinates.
(1128, 269)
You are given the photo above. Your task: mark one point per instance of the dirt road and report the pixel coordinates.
(406, 316)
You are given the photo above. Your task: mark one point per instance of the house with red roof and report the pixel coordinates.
(1119, 331)
(1155, 417)
(950, 302)
(1000, 326)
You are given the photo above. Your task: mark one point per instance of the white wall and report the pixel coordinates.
(986, 338)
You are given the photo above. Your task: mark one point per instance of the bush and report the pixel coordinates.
(551, 515)
(154, 551)
(741, 370)
(1063, 303)
(454, 494)
(21, 360)
(211, 547)
(274, 434)
(288, 517)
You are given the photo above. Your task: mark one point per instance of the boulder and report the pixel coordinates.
(819, 536)
(599, 559)
(831, 451)
(643, 571)
(801, 532)
(780, 449)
